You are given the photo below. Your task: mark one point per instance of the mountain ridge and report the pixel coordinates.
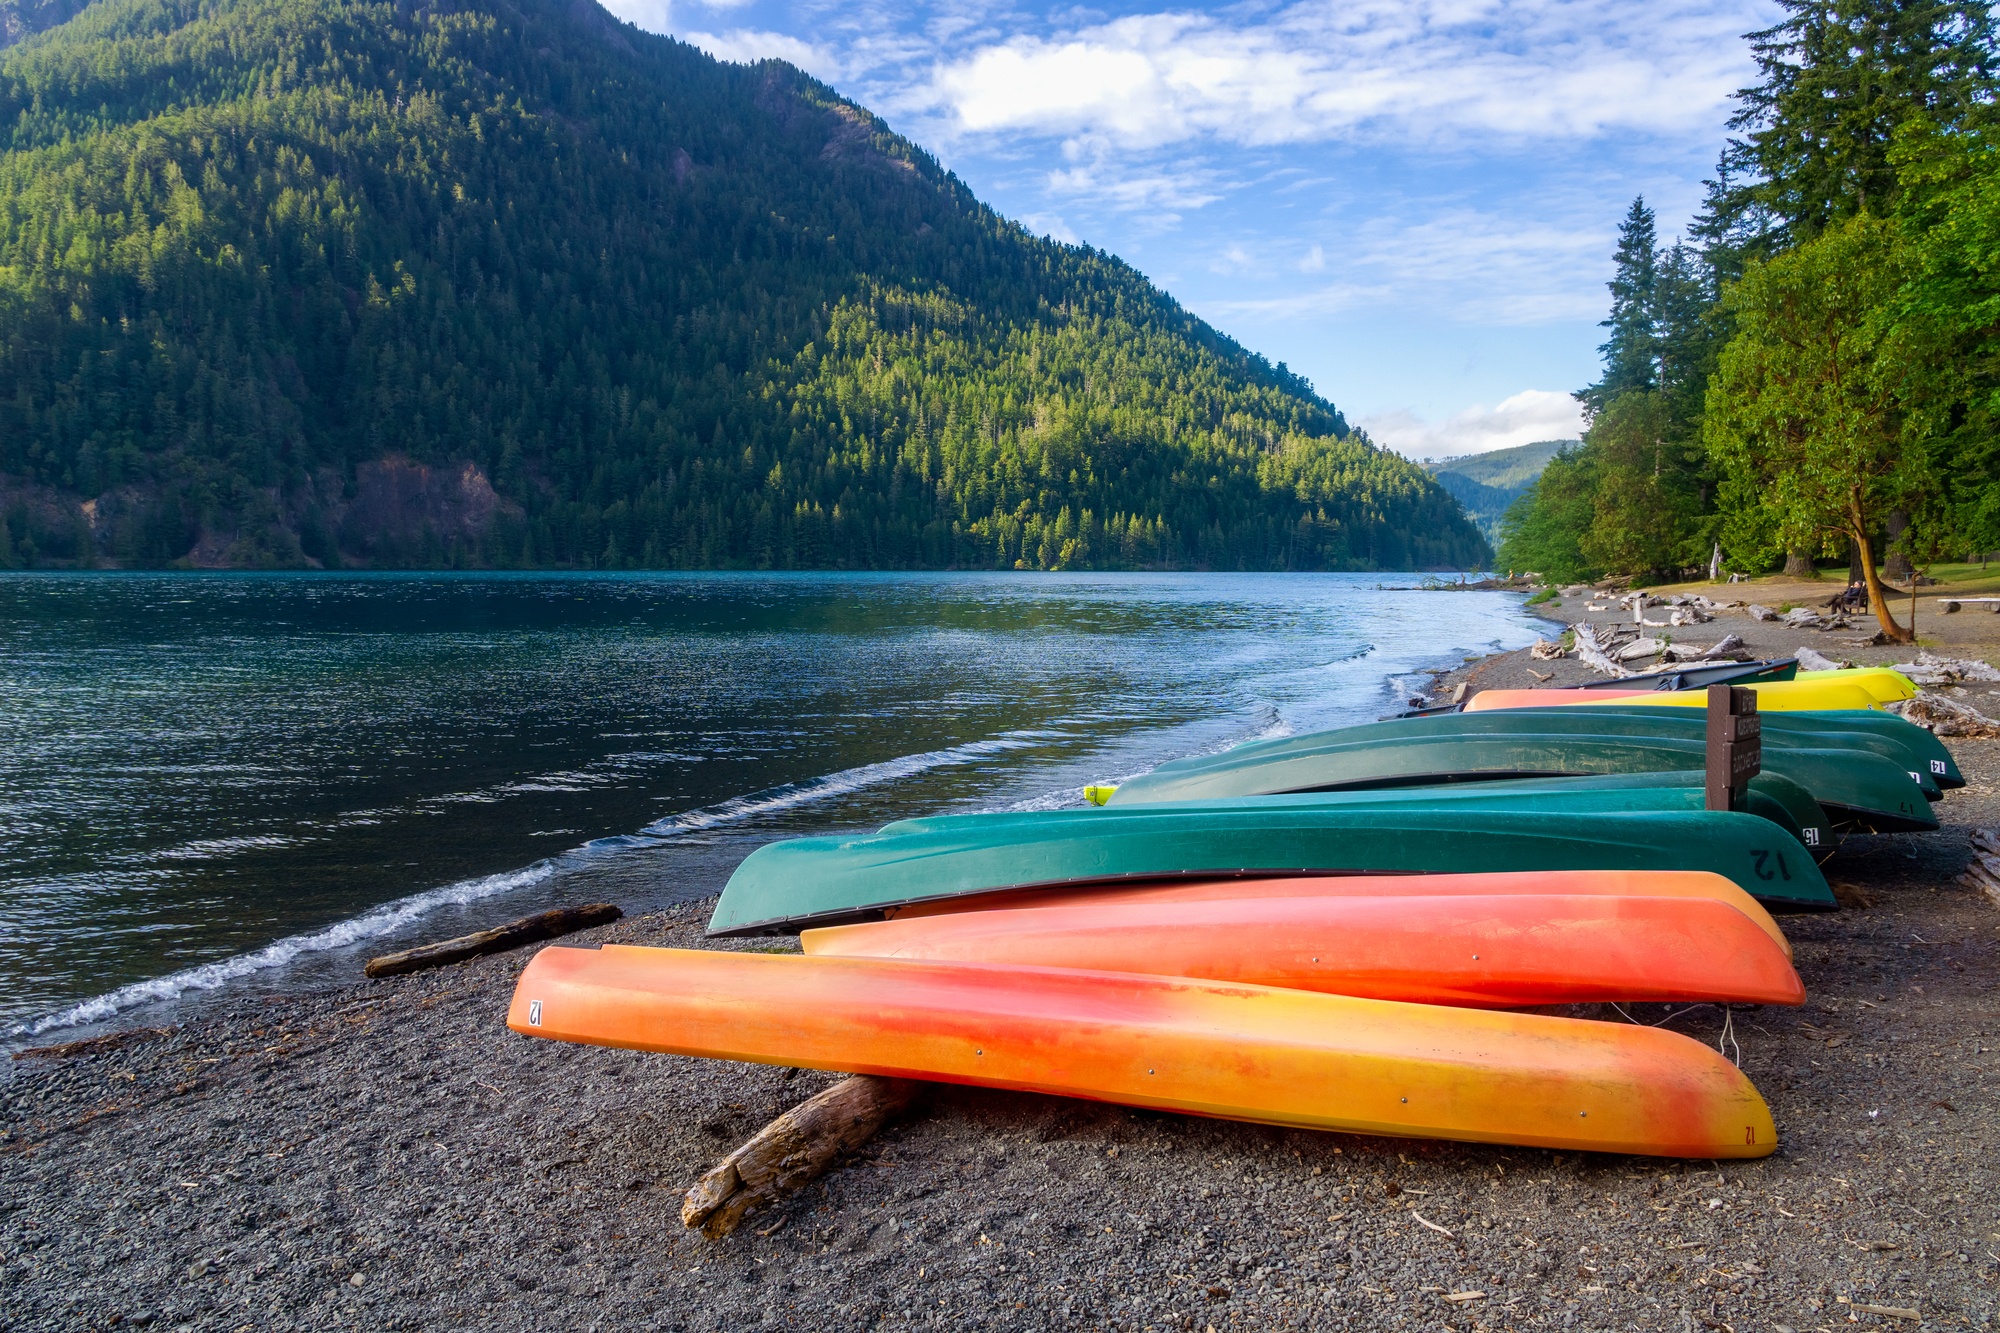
(1488, 484)
(330, 282)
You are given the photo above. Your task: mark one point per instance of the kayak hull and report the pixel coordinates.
(1554, 883)
(1773, 697)
(1859, 780)
(785, 886)
(1916, 746)
(1239, 1052)
(1777, 799)
(1478, 950)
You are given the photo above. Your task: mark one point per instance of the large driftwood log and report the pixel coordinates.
(1590, 648)
(793, 1150)
(528, 930)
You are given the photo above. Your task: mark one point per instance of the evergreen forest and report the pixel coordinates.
(1810, 372)
(509, 283)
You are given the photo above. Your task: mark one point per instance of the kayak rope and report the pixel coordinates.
(1723, 1043)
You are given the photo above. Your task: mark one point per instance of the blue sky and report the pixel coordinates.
(1413, 204)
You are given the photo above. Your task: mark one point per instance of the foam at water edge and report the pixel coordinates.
(211, 976)
(819, 789)
(394, 915)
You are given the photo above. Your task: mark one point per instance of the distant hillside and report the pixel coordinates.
(1486, 484)
(300, 283)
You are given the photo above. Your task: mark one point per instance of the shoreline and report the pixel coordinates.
(388, 1155)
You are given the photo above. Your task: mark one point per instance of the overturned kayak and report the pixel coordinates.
(1273, 1056)
(1821, 691)
(1562, 883)
(1482, 950)
(1887, 684)
(1861, 781)
(1916, 748)
(1778, 799)
(786, 886)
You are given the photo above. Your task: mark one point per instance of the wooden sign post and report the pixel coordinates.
(1735, 745)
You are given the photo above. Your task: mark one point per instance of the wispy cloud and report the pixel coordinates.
(1420, 71)
(749, 45)
(1481, 268)
(1535, 414)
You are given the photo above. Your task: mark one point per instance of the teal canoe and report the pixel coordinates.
(788, 886)
(1858, 788)
(1907, 745)
(1924, 751)
(1780, 800)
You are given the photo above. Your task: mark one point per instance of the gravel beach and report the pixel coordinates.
(390, 1156)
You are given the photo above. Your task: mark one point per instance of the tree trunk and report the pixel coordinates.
(1854, 574)
(1895, 561)
(1877, 603)
(1799, 565)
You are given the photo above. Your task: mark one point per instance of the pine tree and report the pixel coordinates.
(1630, 351)
(1836, 80)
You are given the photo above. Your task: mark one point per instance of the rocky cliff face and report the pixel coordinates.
(392, 513)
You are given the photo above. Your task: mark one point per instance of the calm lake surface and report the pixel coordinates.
(217, 782)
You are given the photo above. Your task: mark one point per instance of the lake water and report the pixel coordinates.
(212, 783)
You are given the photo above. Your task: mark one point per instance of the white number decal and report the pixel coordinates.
(534, 1013)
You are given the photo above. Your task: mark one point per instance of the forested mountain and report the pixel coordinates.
(1488, 484)
(289, 282)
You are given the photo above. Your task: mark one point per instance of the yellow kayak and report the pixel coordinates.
(1827, 691)
(1887, 684)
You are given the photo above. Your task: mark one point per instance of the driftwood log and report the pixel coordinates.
(1591, 649)
(528, 930)
(793, 1150)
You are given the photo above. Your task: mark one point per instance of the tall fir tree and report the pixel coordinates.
(1630, 350)
(1811, 138)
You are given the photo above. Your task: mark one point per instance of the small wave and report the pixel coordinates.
(817, 789)
(218, 847)
(403, 911)
(212, 976)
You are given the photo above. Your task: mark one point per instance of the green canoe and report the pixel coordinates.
(1858, 788)
(1927, 754)
(788, 886)
(1780, 800)
(1877, 733)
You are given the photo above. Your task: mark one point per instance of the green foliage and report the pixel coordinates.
(1544, 530)
(291, 281)
(1948, 312)
(1804, 412)
(1630, 353)
(1646, 509)
(1838, 78)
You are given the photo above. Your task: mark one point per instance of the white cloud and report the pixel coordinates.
(1533, 414)
(1411, 70)
(1148, 191)
(1052, 226)
(745, 46)
(1315, 261)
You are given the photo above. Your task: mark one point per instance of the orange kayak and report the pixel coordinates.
(1257, 1053)
(1488, 951)
(1566, 883)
